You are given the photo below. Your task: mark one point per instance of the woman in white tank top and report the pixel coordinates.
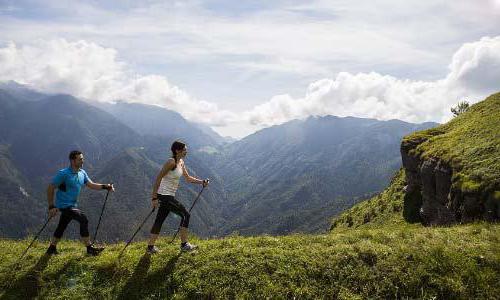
(164, 189)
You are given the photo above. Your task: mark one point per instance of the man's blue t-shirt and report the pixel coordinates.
(67, 194)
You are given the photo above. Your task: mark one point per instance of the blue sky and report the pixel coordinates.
(239, 66)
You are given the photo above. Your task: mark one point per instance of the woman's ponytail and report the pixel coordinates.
(176, 146)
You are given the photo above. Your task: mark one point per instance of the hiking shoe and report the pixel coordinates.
(188, 247)
(52, 250)
(94, 250)
(152, 249)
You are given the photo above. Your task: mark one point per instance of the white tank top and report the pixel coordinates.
(170, 183)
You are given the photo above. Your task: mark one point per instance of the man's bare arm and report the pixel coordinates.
(50, 199)
(100, 186)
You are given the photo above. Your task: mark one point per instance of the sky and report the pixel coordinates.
(240, 66)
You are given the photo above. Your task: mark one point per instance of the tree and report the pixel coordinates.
(461, 107)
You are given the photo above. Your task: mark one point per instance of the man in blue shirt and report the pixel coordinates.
(68, 183)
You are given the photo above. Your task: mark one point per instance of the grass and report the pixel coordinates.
(387, 208)
(470, 144)
(373, 252)
(394, 261)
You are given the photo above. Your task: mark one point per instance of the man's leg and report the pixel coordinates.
(79, 216)
(64, 220)
(84, 232)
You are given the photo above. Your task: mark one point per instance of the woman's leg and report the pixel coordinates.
(184, 234)
(179, 209)
(160, 218)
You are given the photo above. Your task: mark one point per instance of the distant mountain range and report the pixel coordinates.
(287, 178)
(292, 176)
(36, 139)
(161, 122)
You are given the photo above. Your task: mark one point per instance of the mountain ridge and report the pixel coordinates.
(279, 180)
(303, 165)
(450, 175)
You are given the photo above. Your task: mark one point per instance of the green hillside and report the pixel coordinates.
(376, 250)
(35, 138)
(294, 177)
(405, 261)
(470, 143)
(383, 209)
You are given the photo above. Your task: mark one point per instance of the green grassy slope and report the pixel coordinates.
(384, 209)
(372, 253)
(399, 261)
(470, 144)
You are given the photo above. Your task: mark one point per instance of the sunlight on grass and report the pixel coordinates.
(383, 262)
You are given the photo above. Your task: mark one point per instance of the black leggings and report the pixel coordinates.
(169, 204)
(68, 214)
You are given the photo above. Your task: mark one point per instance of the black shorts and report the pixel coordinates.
(68, 214)
(169, 204)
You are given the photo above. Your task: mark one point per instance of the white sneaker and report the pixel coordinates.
(152, 250)
(188, 247)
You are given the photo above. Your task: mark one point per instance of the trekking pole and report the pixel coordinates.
(34, 239)
(179, 228)
(99, 223)
(130, 241)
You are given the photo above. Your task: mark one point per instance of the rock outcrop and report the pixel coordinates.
(439, 202)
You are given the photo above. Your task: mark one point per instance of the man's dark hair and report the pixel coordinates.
(73, 154)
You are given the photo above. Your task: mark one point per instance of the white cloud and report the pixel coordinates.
(473, 74)
(476, 66)
(298, 39)
(80, 68)
(277, 46)
(88, 70)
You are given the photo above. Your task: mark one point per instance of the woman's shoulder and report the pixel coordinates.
(181, 163)
(170, 161)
